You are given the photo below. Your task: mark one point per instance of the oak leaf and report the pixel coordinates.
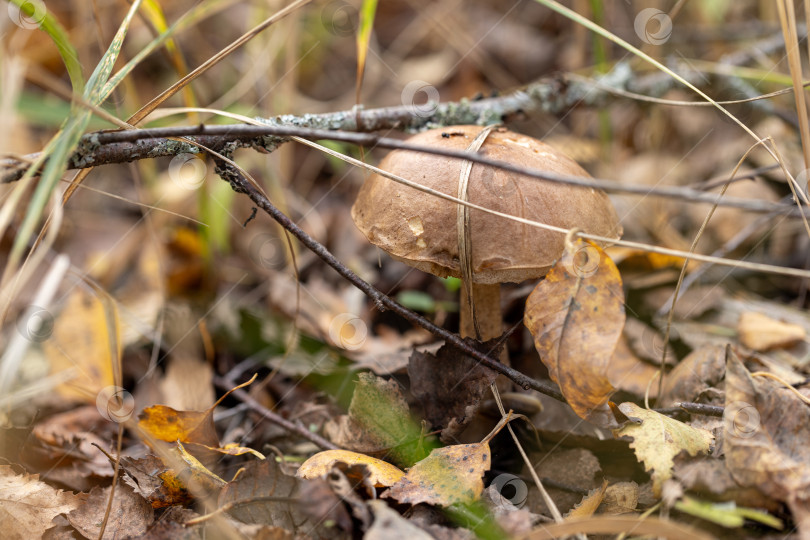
(28, 505)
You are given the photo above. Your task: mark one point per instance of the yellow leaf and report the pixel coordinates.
(588, 505)
(167, 424)
(194, 471)
(382, 474)
(449, 475)
(233, 449)
(576, 315)
(86, 340)
(657, 439)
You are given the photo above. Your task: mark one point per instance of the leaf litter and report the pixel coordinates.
(406, 411)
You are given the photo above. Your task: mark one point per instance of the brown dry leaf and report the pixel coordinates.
(762, 333)
(150, 478)
(629, 373)
(28, 505)
(449, 475)
(383, 474)
(657, 439)
(576, 315)
(129, 517)
(82, 341)
(323, 504)
(67, 444)
(576, 468)
(390, 525)
(702, 369)
(450, 386)
(186, 384)
(647, 342)
(767, 439)
(620, 498)
(263, 495)
(177, 478)
(711, 478)
(587, 507)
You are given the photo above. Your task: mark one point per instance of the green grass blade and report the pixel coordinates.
(191, 17)
(58, 34)
(363, 37)
(66, 141)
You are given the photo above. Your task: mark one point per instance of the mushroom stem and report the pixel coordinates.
(487, 302)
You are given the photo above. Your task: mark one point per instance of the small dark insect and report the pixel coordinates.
(250, 218)
(445, 135)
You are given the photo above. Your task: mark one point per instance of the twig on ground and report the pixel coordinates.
(382, 301)
(241, 395)
(692, 408)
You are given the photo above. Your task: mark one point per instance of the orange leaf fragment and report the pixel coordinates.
(193, 428)
(382, 474)
(576, 315)
(167, 424)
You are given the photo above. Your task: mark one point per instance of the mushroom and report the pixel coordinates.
(421, 230)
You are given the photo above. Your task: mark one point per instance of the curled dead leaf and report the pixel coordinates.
(576, 315)
(383, 474)
(766, 436)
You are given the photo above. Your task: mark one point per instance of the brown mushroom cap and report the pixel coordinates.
(420, 229)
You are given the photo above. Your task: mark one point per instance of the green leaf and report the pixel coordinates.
(417, 301)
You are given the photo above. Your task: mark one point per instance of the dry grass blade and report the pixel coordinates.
(650, 526)
(214, 60)
(56, 152)
(153, 13)
(787, 18)
(579, 19)
(465, 248)
(136, 118)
